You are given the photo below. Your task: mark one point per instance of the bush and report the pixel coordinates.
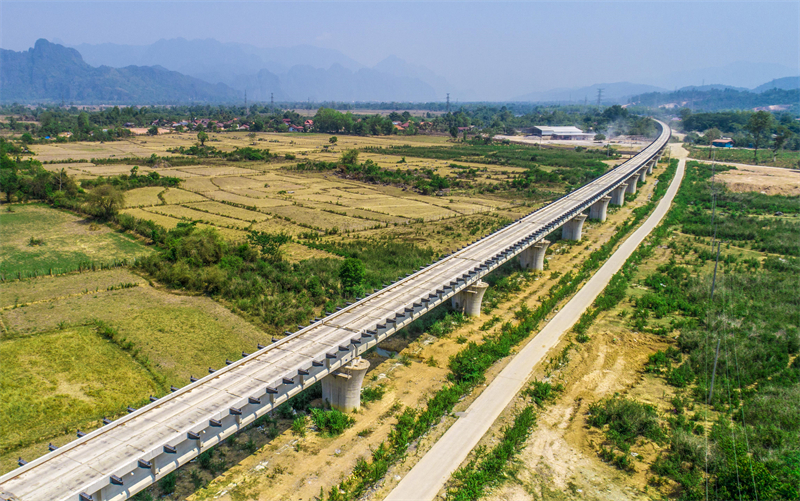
(625, 419)
(167, 483)
(372, 393)
(299, 426)
(331, 422)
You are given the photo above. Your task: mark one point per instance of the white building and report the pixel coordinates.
(548, 132)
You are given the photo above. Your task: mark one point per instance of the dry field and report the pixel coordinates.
(241, 196)
(766, 180)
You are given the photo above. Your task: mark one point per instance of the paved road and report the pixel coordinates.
(429, 475)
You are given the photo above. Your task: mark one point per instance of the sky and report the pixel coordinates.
(488, 50)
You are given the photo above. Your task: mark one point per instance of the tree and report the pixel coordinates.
(454, 131)
(269, 243)
(711, 135)
(758, 126)
(106, 200)
(26, 138)
(333, 139)
(349, 157)
(352, 274)
(202, 137)
(153, 130)
(783, 135)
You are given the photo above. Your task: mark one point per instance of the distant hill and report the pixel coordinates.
(743, 74)
(612, 93)
(52, 72)
(786, 83)
(716, 99)
(287, 73)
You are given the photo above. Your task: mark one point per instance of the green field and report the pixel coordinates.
(788, 159)
(59, 381)
(67, 241)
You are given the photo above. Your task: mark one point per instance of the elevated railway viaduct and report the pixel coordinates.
(125, 456)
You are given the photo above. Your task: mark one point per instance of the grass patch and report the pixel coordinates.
(38, 240)
(56, 382)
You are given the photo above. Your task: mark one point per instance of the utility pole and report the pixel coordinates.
(448, 102)
(599, 96)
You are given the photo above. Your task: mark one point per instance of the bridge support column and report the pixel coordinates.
(643, 175)
(651, 164)
(598, 209)
(632, 184)
(618, 195)
(572, 228)
(469, 300)
(533, 256)
(342, 389)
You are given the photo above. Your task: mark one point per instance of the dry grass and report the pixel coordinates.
(261, 203)
(179, 196)
(321, 219)
(229, 211)
(143, 197)
(165, 221)
(188, 214)
(33, 290)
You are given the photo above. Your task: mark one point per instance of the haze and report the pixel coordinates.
(487, 51)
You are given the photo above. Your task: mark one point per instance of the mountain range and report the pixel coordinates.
(52, 72)
(186, 71)
(297, 73)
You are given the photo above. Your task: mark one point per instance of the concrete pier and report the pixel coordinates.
(468, 301)
(533, 256)
(618, 195)
(598, 209)
(342, 389)
(572, 228)
(651, 165)
(643, 175)
(632, 182)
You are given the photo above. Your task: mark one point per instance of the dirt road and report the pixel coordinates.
(426, 479)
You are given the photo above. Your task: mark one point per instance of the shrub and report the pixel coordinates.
(372, 393)
(168, 482)
(331, 422)
(625, 419)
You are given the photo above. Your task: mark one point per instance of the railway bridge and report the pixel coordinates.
(123, 457)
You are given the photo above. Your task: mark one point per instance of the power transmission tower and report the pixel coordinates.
(271, 100)
(599, 96)
(448, 102)
(245, 103)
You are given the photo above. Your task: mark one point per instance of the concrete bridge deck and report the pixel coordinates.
(125, 456)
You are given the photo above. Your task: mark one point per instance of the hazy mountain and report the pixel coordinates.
(288, 73)
(393, 65)
(786, 83)
(739, 74)
(612, 93)
(212, 60)
(52, 72)
(340, 84)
